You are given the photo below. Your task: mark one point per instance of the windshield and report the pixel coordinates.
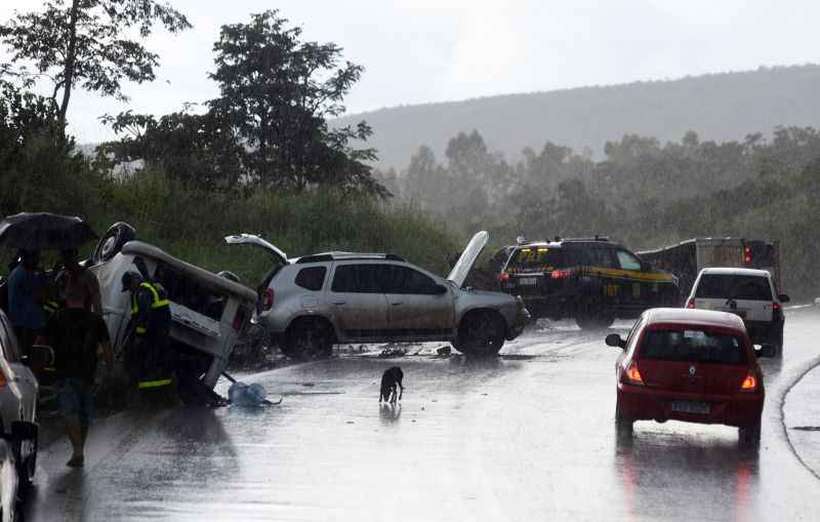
(535, 259)
(724, 286)
(693, 345)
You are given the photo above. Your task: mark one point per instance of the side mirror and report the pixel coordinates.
(615, 340)
(767, 350)
(440, 290)
(23, 431)
(783, 298)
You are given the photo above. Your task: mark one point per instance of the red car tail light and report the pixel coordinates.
(749, 383)
(776, 306)
(267, 299)
(560, 274)
(3, 381)
(690, 303)
(747, 256)
(503, 277)
(632, 375)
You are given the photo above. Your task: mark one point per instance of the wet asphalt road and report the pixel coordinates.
(528, 436)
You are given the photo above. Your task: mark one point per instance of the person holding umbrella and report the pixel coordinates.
(26, 290)
(30, 233)
(80, 281)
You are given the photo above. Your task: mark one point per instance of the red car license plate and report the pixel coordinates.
(701, 408)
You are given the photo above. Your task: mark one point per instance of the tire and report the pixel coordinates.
(777, 341)
(112, 242)
(309, 338)
(26, 468)
(591, 317)
(623, 425)
(749, 436)
(480, 333)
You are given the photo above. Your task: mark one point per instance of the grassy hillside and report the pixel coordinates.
(718, 107)
(191, 223)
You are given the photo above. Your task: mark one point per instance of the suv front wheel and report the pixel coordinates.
(480, 333)
(309, 338)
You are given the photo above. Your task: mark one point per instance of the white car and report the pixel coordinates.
(747, 293)
(19, 393)
(209, 312)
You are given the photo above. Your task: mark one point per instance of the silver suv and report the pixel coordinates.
(310, 303)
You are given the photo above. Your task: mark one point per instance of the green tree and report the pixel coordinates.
(277, 92)
(85, 43)
(196, 149)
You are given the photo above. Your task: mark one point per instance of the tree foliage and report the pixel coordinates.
(87, 43)
(277, 92)
(644, 193)
(268, 127)
(197, 149)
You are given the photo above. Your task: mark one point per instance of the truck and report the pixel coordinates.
(687, 258)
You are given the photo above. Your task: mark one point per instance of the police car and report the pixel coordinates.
(591, 280)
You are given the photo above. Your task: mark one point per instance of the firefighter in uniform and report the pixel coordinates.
(148, 356)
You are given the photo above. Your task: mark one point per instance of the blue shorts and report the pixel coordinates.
(76, 399)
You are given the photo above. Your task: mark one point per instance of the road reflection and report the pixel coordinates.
(655, 468)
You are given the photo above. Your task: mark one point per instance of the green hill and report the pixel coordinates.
(722, 107)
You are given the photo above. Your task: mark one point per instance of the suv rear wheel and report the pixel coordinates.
(593, 316)
(777, 341)
(309, 338)
(480, 333)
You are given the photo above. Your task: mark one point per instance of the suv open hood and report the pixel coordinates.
(254, 240)
(468, 258)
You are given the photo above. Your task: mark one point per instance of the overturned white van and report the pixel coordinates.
(209, 312)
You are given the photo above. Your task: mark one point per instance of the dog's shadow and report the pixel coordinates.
(389, 412)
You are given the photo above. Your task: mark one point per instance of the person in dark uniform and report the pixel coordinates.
(148, 357)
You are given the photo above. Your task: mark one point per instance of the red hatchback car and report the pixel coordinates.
(689, 365)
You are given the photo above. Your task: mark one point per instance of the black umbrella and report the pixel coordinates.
(44, 231)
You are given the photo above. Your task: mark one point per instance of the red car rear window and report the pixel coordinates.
(691, 344)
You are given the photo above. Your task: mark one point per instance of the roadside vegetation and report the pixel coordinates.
(643, 193)
(260, 158)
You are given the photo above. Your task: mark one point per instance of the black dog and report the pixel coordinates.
(390, 379)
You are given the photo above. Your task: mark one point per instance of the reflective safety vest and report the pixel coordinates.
(158, 301)
(50, 307)
(145, 385)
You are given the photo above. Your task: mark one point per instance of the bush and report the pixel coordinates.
(190, 223)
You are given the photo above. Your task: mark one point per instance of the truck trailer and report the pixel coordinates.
(687, 258)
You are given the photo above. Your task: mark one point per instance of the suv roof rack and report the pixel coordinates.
(577, 239)
(347, 256)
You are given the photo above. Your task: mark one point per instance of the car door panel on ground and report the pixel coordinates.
(357, 301)
(417, 306)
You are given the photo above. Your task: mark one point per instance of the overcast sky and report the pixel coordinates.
(417, 51)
